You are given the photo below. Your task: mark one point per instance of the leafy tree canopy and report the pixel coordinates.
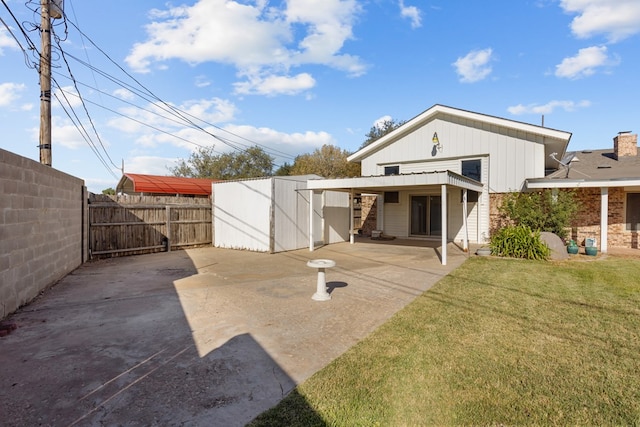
(381, 129)
(205, 163)
(109, 191)
(329, 162)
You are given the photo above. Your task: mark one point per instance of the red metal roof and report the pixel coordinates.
(168, 184)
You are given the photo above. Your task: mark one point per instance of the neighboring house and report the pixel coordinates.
(273, 214)
(440, 174)
(157, 185)
(607, 183)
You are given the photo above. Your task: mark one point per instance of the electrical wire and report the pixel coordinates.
(83, 103)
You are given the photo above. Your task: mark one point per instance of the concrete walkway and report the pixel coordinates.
(198, 337)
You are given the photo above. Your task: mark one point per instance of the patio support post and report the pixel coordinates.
(311, 193)
(465, 237)
(604, 218)
(351, 224)
(444, 223)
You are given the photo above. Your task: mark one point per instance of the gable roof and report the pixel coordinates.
(157, 184)
(557, 140)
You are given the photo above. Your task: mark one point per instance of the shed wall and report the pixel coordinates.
(42, 228)
(242, 214)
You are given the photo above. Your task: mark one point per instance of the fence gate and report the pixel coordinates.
(127, 225)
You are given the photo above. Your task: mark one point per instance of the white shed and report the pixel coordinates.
(272, 214)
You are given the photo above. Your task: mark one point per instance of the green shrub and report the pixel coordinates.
(518, 241)
(544, 210)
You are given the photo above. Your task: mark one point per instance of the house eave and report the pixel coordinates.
(536, 184)
(381, 183)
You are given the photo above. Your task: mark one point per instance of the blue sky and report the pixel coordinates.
(294, 75)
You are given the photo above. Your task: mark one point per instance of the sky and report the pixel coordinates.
(145, 83)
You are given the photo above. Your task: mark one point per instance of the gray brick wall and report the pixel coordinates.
(42, 232)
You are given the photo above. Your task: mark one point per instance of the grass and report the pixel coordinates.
(497, 342)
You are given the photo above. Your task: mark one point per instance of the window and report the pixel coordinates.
(392, 197)
(633, 211)
(472, 169)
(392, 170)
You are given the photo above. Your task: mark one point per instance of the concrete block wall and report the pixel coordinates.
(42, 232)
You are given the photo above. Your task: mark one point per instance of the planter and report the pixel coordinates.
(573, 249)
(483, 251)
(591, 250)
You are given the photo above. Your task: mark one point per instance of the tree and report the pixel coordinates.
(205, 163)
(329, 162)
(381, 129)
(284, 170)
(109, 191)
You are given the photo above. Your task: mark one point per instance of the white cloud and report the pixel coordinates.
(160, 120)
(616, 19)
(68, 95)
(411, 12)
(584, 63)
(152, 165)
(547, 108)
(275, 85)
(474, 66)
(6, 40)
(123, 93)
(256, 38)
(10, 93)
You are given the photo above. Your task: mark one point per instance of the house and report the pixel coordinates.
(607, 184)
(273, 214)
(158, 185)
(442, 174)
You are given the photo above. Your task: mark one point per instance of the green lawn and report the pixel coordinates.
(497, 342)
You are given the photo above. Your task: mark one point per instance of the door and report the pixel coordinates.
(426, 216)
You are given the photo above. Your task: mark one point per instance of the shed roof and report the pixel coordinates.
(157, 184)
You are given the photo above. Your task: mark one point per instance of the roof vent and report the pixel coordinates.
(604, 166)
(587, 151)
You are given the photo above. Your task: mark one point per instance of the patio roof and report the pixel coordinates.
(382, 183)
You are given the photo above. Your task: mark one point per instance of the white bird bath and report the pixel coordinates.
(321, 290)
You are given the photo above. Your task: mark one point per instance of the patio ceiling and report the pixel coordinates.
(382, 183)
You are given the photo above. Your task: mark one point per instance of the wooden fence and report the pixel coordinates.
(128, 225)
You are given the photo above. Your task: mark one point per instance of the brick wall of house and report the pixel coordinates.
(369, 214)
(586, 222)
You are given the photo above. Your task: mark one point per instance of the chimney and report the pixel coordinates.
(625, 144)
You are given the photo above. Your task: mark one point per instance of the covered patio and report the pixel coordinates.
(425, 181)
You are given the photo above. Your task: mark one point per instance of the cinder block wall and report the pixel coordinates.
(41, 228)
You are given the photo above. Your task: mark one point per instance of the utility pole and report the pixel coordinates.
(45, 85)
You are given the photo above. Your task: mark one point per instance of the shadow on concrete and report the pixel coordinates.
(110, 345)
(333, 285)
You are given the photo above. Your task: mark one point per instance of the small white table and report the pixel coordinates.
(321, 290)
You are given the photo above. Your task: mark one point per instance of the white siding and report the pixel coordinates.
(514, 156)
(242, 214)
(272, 215)
(336, 216)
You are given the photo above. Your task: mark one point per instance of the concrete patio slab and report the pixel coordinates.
(199, 337)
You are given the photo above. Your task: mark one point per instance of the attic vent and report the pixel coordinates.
(604, 166)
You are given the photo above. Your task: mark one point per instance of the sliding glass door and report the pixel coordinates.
(426, 216)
